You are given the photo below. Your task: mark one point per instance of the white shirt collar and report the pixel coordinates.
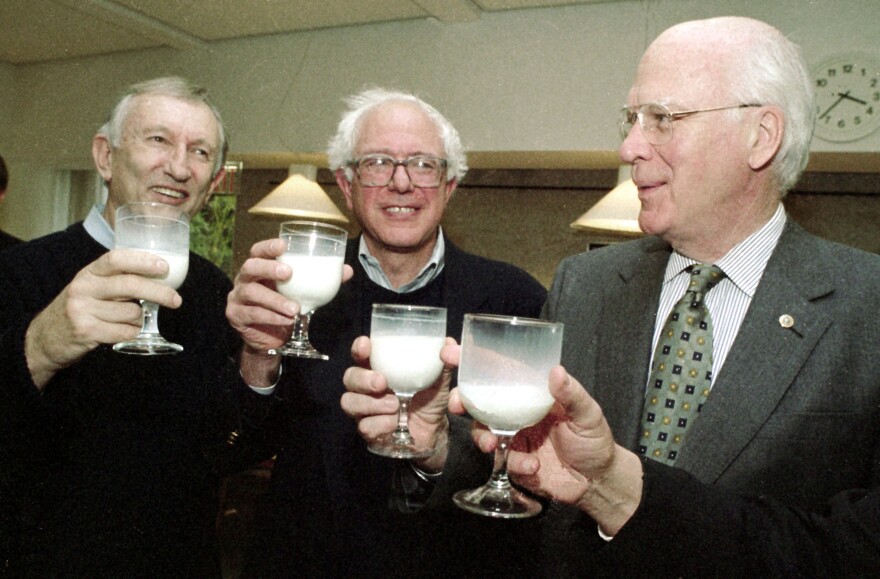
(744, 264)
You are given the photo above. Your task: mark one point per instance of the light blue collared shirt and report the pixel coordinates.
(427, 274)
(97, 226)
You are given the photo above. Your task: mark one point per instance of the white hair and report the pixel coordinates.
(341, 149)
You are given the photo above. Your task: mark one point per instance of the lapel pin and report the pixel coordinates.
(786, 321)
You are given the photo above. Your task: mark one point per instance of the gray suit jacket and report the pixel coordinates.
(794, 412)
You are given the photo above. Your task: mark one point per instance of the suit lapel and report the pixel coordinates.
(766, 355)
(623, 340)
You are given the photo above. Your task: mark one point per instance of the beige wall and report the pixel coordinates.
(541, 79)
(544, 79)
(7, 102)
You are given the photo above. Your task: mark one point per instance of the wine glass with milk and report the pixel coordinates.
(405, 348)
(503, 383)
(162, 230)
(315, 252)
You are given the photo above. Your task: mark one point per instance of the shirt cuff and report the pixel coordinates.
(266, 390)
(429, 477)
(606, 538)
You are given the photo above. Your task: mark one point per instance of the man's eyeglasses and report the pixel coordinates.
(655, 120)
(378, 170)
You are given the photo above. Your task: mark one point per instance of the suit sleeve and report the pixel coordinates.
(701, 529)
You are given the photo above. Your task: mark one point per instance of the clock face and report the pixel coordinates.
(847, 97)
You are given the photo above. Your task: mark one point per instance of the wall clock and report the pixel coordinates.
(847, 97)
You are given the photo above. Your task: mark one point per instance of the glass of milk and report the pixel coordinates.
(405, 348)
(503, 383)
(315, 252)
(162, 230)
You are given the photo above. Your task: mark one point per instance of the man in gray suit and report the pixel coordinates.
(717, 130)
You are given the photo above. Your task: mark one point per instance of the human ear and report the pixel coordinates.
(766, 137)
(345, 185)
(102, 153)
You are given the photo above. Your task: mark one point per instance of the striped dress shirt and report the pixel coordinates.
(728, 301)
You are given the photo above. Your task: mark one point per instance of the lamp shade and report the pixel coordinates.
(617, 212)
(299, 197)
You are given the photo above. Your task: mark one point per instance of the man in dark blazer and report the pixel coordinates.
(717, 130)
(333, 508)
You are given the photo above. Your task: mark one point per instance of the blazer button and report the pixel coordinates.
(786, 321)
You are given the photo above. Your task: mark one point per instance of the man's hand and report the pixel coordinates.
(99, 306)
(569, 449)
(263, 317)
(571, 456)
(374, 407)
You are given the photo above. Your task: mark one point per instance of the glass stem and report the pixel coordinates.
(301, 328)
(401, 434)
(499, 479)
(150, 324)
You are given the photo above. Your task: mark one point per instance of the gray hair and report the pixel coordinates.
(172, 86)
(772, 71)
(341, 149)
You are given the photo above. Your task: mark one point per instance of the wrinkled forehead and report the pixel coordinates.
(192, 119)
(400, 123)
(678, 73)
(698, 61)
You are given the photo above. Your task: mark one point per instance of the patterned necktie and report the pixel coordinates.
(682, 370)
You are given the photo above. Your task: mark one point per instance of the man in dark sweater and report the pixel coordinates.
(333, 508)
(110, 460)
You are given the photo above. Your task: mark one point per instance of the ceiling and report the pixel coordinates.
(52, 30)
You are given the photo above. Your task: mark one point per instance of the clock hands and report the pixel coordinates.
(852, 98)
(841, 96)
(847, 102)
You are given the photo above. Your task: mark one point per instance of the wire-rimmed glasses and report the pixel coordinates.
(378, 170)
(655, 120)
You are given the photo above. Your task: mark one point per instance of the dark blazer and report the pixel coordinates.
(722, 534)
(794, 411)
(327, 511)
(7, 241)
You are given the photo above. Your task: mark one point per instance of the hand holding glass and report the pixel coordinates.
(503, 383)
(315, 252)
(162, 230)
(406, 343)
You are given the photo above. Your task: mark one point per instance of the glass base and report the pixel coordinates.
(148, 345)
(386, 445)
(299, 349)
(501, 503)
